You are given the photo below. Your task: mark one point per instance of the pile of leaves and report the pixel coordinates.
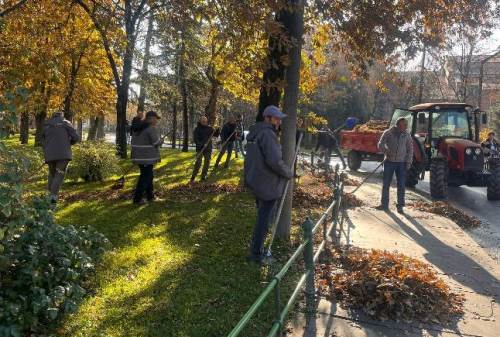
(43, 266)
(102, 194)
(372, 126)
(312, 192)
(387, 285)
(349, 200)
(350, 182)
(183, 192)
(448, 211)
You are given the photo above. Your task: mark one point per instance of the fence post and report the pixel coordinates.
(335, 208)
(307, 227)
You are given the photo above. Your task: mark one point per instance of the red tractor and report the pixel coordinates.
(443, 144)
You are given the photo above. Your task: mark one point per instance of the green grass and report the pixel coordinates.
(177, 267)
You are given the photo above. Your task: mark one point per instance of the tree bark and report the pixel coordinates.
(24, 128)
(174, 125)
(270, 91)
(184, 95)
(41, 115)
(211, 108)
(294, 24)
(145, 64)
(100, 134)
(92, 135)
(79, 128)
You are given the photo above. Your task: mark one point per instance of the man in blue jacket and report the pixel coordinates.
(265, 174)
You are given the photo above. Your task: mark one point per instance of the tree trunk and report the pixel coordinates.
(211, 108)
(24, 128)
(422, 76)
(75, 66)
(100, 134)
(174, 125)
(270, 91)
(145, 64)
(92, 135)
(79, 128)
(184, 95)
(41, 115)
(294, 24)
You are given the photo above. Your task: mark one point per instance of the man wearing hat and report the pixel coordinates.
(58, 136)
(146, 145)
(265, 174)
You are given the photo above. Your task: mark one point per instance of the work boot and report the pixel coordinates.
(400, 210)
(382, 208)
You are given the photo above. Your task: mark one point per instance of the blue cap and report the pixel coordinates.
(273, 111)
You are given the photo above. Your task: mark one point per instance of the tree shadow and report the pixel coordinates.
(210, 287)
(452, 262)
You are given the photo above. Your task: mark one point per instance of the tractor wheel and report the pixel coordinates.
(439, 179)
(354, 160)
(493, 186)
(412, 175)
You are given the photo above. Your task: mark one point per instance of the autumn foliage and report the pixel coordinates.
(387, 285)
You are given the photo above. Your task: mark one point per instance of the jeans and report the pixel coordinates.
(238, 147)
(206, 156)
(144, 183)
(389, 169)
(264, 212)
(229, 148)
(57, 171)
(329, 154)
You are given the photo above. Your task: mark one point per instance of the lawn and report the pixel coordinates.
(177, 266)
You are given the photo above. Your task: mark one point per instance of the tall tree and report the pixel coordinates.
(145, 63)
(129, 17)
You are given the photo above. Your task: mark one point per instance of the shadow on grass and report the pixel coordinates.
(184, 276)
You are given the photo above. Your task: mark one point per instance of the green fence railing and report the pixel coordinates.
(330, 231)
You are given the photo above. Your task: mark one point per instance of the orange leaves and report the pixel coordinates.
(446, 210)
(387, 285)
(372, 126)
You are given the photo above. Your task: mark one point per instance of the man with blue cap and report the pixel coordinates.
(265, 174)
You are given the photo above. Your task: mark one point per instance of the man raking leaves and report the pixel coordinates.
(266, 175)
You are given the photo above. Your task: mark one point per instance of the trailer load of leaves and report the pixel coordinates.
(372, 126)
(448, 211)
(387, 285)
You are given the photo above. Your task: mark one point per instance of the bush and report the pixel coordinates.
(93, 161)
(42, 265)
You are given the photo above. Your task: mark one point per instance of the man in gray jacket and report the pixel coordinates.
(58, 136)
(397, 145)
(146, 144)
(265, 174)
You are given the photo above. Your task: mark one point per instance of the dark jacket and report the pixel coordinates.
(488, 146)
(203, 134)
(146, 146)
(326, 139)
(240, 130)
(58, 136)
(265, 171)
(228, 130)
(137, 125)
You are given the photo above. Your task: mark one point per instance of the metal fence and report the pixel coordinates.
(331, 231)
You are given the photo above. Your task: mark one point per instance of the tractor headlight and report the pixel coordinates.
(478, 151)
(468, 152)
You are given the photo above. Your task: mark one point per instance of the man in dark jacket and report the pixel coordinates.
(328, 143)
(490, 145)
(240, 137)
(145, 152)
(203, 134)
(228, 136)
(265, 174)
(58, 136)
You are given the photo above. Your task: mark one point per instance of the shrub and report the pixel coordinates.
(42, 265)
(93, 161)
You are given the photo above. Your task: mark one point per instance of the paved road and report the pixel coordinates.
(471, 200)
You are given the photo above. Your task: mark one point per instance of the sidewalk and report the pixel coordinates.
(462, 263)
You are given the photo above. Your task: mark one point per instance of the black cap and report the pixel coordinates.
(152, 114)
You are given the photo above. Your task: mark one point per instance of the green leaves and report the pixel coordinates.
(42, 264)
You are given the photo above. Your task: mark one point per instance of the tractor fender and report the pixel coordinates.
(418, 151)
